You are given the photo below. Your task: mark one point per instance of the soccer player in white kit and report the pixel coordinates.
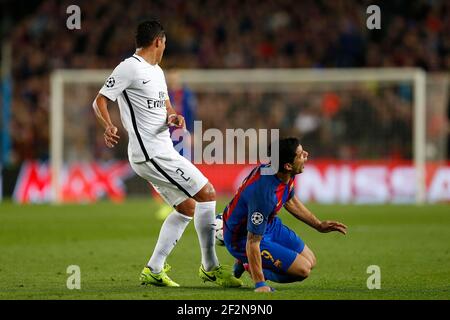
(139, 85)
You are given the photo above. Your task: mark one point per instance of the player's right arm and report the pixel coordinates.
(117, 82)
(100, 106)
(254, 261)
(259, 208)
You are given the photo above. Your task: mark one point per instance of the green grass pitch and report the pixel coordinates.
(112, 242)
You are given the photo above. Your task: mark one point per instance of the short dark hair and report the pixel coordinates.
(147, 31)
(287, 151)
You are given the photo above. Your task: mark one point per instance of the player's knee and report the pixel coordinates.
(313, 261)
(210, 192)
(207, 193)
(187, 207)
(301, 273)
(300, 269)
(304, 272)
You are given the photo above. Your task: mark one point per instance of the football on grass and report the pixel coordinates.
(219, 230)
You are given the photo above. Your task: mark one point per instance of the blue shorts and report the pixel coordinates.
(279, 247)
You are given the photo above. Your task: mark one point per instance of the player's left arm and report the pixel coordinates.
(295, 207)
(173, 118)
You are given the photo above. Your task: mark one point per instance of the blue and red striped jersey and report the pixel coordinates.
(255, 204)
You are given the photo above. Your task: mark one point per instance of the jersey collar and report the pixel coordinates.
(143, 60)
(278, 181)
(138, 57)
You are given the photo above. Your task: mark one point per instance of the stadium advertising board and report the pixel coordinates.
(325, 181)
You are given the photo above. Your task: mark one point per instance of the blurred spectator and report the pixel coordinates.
(182, 99)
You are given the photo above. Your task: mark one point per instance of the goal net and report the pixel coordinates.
(370, 133)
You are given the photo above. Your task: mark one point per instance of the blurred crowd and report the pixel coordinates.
(351, 123)
(240, 34)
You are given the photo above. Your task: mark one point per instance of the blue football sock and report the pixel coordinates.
(238, 269)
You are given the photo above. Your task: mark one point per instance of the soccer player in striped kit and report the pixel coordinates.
(255, 235)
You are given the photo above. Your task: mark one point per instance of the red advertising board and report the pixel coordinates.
(324, 181)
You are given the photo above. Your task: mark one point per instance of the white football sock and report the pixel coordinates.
(171, 231)
(204, 221)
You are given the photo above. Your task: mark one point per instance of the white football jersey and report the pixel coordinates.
(141, 91)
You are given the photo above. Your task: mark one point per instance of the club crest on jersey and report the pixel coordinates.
(110, 82)
(257, 218)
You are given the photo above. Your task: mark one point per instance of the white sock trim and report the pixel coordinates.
(206, 204)
(183, 216)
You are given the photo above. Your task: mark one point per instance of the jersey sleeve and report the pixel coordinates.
(166, 91)
(260, 207)
(117, 82)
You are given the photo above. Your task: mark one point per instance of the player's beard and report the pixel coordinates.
(302, 166)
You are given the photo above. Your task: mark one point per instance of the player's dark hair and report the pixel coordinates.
(147, 31)
(287, 150)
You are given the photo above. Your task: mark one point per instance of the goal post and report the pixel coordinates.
(58, 79)
(235, 79)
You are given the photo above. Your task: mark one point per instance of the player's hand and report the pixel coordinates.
(264, 289)
(176, 120)
(110, 136)
(328, 226)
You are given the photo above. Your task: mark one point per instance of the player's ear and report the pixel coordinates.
(158, 41)
(287, 167)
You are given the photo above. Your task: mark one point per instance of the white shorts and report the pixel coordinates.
(174, 177)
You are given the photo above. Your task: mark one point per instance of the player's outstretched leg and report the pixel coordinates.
(204, 221)
(221, 275)
(171, 231)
